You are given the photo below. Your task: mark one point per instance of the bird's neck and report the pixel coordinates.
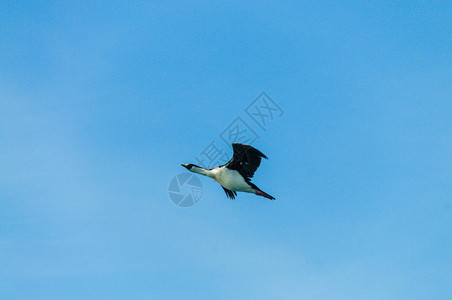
(201, 171)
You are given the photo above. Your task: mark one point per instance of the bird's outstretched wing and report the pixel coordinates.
(229, 193)
(245, 160)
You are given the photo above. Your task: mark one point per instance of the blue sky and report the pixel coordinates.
(101, 101)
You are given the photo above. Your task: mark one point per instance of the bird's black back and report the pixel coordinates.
(245, 160)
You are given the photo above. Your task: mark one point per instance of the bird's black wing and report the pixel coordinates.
(229, 193)
(245, 160)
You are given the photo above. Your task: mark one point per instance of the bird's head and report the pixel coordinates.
(188, 166)
(195, 169)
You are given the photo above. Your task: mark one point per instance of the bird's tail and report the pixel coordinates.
(264, 194)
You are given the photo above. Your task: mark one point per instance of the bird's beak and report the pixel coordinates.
(184, 165)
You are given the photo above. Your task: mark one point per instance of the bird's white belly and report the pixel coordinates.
(232, 180)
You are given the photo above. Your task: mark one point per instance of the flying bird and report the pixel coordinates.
(235, 175)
